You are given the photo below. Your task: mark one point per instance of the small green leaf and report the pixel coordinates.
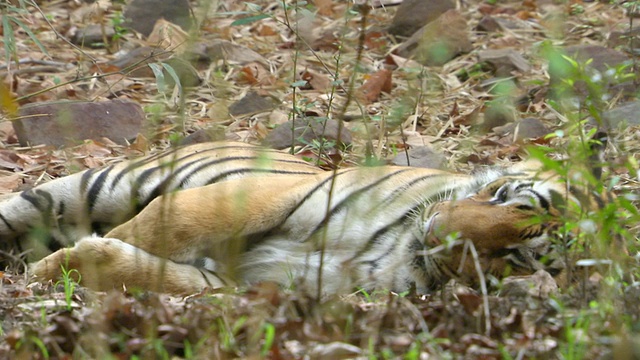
(269, 336)
(173, 75)
(249, 20)
(9, 39)
(299, 83)
(31, 34)
(253, 7)
(157, 71)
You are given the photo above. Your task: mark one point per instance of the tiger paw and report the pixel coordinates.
(104, 263)
(88, 253)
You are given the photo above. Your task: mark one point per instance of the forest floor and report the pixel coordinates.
(316, 60)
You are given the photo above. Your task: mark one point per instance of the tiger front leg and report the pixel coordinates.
(103, 264)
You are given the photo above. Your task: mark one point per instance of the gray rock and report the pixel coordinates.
(497, 113)
(414, 14)
(539, 285)
(61, 123)
(627, 114)
(422, 156)
(602, 58)
(439, 41)
(625, 40)
(230, 52)
(132, 63)
(141, 15)
(493, 24)
(305, 130)
(92, 36)
(530, 128)
(203, 136)
(527, 128)
(504, 61)
(252, 103)
(488, 24)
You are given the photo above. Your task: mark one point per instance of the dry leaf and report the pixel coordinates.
(470, 301)
(10, 183)
(92, 163)
(524, 15)
(325, 7)
(168, 36)
(233, 53)
(260, 130)
(255, 73)
(104, 68)
(530, 4)
(402, 63)
(377, 83)
(92, 148)
(266, 30)
(317, 81)
(9, 160)
(375, 40)
(141, 144)
(246, 75)
(326, 41)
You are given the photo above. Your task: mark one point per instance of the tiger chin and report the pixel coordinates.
(230, 214)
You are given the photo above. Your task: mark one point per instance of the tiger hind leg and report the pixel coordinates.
(104, 264)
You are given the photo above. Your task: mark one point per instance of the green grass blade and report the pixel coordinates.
(30, 33)
(9, 39)
(249, 20)
(159, 74)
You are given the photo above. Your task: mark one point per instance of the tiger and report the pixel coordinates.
(231, 214)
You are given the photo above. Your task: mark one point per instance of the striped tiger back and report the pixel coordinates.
(64, 210)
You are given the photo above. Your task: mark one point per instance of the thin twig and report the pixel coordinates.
(58, 35)
(416, 313)
(17, 259)
(33, 70)
(377, 4)
(29, 61)
(125, 71)
(483, 285)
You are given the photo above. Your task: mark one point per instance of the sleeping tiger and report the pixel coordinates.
(227, 214)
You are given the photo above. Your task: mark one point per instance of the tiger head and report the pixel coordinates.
(510, 220)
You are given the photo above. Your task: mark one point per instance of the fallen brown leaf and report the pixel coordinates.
(325, 7)
(10, 183)
(168, 36)
(376, 84)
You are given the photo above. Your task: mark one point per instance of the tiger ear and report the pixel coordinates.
(597, 145)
